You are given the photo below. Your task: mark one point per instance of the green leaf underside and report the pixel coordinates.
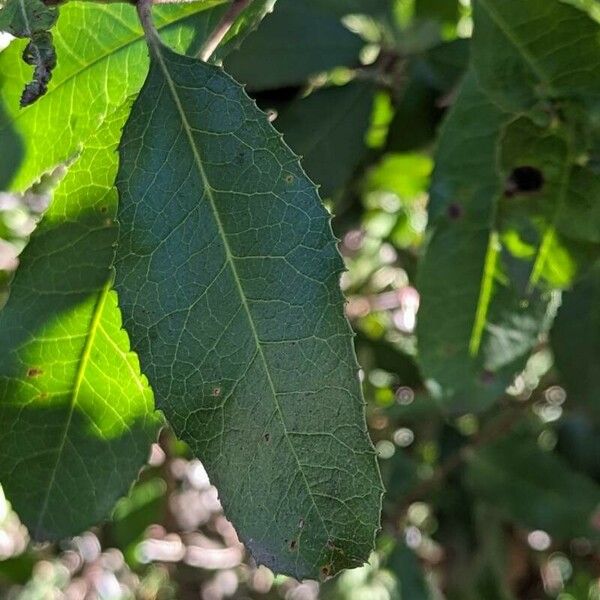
(476, 336)
(327, 129)
(102, 61)
(227, 273)
(77, 417)
(295, 42)
(544, 492)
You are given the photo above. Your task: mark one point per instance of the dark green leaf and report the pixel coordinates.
(534, 488)
(547, 216)
(441, 10)
(432, 80)
(228, 273)
(39, 53)
(77, 417)
(527, 51)
(476, 327)
(576, 342)
(579, 439)
(385, 355)
(327, 129)
(144, 506)
(295, 42)
(23, 18)
(406, 567)
(341, 8)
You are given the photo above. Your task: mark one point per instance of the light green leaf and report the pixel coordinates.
(527, 51)
(228, 278)
(102, 61)
(327, 129)
(295, 42)
(476, 326)
(576, 342)
(542, 492)
(77, 417)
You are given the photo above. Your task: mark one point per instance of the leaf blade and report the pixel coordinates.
(330, 147)
(102, 61)
(475, 338)
(267, 369)
(72, 402)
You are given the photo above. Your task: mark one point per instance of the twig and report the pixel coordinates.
(144, 9)
(216, 37)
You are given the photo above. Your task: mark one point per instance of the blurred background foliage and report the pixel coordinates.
(496, 506)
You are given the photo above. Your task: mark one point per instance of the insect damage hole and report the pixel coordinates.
(524, 180)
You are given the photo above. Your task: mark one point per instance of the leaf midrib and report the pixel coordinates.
(79, 377)
(156, 49)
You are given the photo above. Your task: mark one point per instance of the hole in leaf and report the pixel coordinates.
(293, 544)
(216, 392)
(267, 437)
(524, 180)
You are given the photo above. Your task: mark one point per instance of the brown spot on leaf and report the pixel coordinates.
(216, 392)
(34, 372)
(293, 544)
(455, 211)
(326, 571)
(267, 437)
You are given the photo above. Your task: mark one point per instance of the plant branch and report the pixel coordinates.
(217, 36)
(144, 10)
